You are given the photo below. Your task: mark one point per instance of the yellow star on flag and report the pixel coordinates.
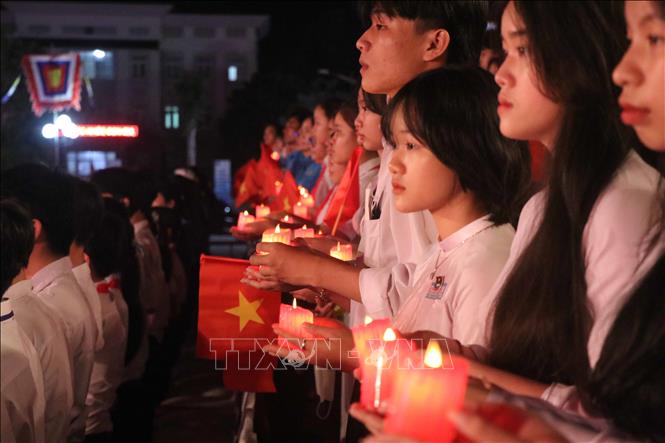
(287, 204)
(246, 310)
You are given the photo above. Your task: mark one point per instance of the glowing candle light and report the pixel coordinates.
(307, 200)
(301, 210)
(421, 397)
(304, 232)
(275, 156)
(342, 252)
(278, 187)
(244, 219)
(262, 211)
(291, 318)
(277, 235)
(286, 219)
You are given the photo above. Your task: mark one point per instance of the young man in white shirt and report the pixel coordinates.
(22, 405)
(49, 198)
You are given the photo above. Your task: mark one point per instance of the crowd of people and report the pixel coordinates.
(500, 175)
(99, 283)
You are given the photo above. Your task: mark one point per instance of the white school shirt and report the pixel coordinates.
(46, 331)
(108, 370)
(153, 292)
(84, 279)
(21, 386)
(446, 289)
(393, 238)
(56, 286)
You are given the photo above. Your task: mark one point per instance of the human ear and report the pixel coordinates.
(438, 41)
(38, 228)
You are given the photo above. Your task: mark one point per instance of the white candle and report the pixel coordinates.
(244, 219)
(301, 210)
(342, 252)
(262, 211)
(304, 232)
(277, 235)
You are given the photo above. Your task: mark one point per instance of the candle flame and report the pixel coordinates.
(286, 219)
(320, 232)
(368, 319)
(245, 213)
(277, 230)
(294, 304)
(389, 335)
(304, 226)
(339, 247)
(298, 204)
(433, 358)
(278, 183)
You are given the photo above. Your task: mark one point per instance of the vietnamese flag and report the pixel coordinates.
(346, 198)
(249, 187)
(240, 174)
(288, 195)
(268, 172)
(236, 317)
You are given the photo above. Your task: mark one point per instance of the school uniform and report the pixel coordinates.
(154, 292)
(21, 387)
(46, 332)
(108, 369)
(616, 245)
(389, 237)
(323, 184)
(447, 288)
(82, 274)
(56, 286)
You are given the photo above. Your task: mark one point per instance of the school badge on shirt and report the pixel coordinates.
(438, 288)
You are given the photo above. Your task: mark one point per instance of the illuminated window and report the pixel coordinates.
(233, 73)
(171, 117)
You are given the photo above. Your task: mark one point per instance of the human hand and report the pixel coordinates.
(253, 278)
(288, 264)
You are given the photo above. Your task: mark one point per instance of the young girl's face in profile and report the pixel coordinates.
(343, 140)
(641, 74)
(368, 126)
(525, 111)
(420, 181)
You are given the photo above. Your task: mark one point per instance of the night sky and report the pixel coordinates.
(304, 36)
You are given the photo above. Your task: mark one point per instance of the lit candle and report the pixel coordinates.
(422, 398)
(291, 318)
(304, 232)
(342, 252)
(275, 156)
(277, 235)
(262, 211)
(301, 210)
(379, 371)
(362, 334)
(307, 200)
(244, 219)
(278, 187)
(286, 219)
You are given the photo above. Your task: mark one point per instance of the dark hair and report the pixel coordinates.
(627, 383)
(452, 110)
(48, 195)
(330, 107)
(130, 279)
(142, 193)
(465, 21)
(541, 320)
(113, 181)
(18, 237)
(88, 209)
(376, 103)
(349, 112)
(275, 126)
(167, 226)
(299, 113)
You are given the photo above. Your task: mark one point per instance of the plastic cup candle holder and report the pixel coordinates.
(244, 219)
(277, 235)
(423, 397)
(262, 211)
(304, 232)
(291, 319)
(342, 252)
(301, 210)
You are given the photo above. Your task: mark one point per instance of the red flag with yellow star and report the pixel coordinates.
(235, 322)
(288, 195)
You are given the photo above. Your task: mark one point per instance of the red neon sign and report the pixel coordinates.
(131, 131)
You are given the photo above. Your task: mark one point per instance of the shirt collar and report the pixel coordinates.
(5, 310)
(461, 235)
(50, 272)
(18, 289)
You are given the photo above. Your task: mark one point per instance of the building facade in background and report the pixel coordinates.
(170, 74)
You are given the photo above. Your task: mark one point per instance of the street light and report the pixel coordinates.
(99, 54)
